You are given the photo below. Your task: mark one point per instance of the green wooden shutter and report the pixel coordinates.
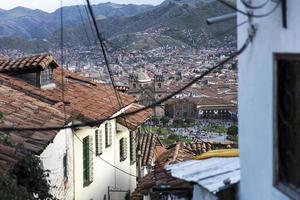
(132, 148)
(98, 142)
(91, 159)
(88, 171)
(123, 149)
(85, 156)
(109, 134)
(106, 135)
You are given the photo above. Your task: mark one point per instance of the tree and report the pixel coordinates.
(165, 120)
(28, 180)
(232, 130)
(178, 123)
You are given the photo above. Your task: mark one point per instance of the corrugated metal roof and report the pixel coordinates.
(209, 173)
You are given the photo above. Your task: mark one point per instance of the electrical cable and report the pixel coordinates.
(255, 6)
(99, 121)
(62, 59)
(104, 53)
(248, 14)
(90, 21)
(83, 24)
(91, 150)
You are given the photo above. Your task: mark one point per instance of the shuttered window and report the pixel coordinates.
(108, 134)
(87, 160)
(287, 138)
(123, 149)
(132, 148)
(98, 142)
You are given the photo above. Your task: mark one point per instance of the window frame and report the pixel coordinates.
(108, 132)
(123, 149)
(132, 147)
(282, 187)
(46, 76)
(98, 142)
(87, 157)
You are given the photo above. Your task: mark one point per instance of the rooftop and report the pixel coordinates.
(211, 174)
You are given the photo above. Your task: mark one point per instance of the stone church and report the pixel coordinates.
(147, 90)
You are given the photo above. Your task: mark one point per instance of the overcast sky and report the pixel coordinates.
(51, 5)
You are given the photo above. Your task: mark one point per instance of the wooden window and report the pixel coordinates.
(123, 149)
(47, 76)
(87, 160)
(98, 142)
(132, 148)
(108, 134)
(287, 137)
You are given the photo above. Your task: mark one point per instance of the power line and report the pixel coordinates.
(104, 53)
(62, 59)
(87, 35)
(90, 21)
(83, 24)
(249, 14)
(231, 28)
(93, 122)
(91, 150)
(255, 6)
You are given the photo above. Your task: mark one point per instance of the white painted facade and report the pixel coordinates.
(69, 142)
(256, 100)
(104, 175)
(53, 159)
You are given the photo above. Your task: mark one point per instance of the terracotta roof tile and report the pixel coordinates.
(161, 177)
(26, 63)
(18, 109)
(134, 121)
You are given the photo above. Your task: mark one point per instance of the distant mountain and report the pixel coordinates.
(183, 21)
(36, 24)
(172, 23)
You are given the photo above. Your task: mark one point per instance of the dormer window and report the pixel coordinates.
(46, 76)
(35, 70)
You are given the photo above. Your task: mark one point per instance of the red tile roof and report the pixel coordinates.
(149, 142)
(27, 63)
(18, 109)
(161, 177)
(83, 98)
(25, 105)
(134, 121)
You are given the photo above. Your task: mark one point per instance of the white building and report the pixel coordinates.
(95, 161)
(269, 75)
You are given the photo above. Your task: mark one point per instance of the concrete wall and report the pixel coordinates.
(52, 159)
(104, 175)
(256, 76)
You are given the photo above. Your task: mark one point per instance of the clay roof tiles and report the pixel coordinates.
(160, 177)
(23, 104)
(18, 109)
(134, 121)
(27, 63)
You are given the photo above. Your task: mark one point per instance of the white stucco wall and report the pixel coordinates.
(104, 174)
(256, 97)
(52, 159)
